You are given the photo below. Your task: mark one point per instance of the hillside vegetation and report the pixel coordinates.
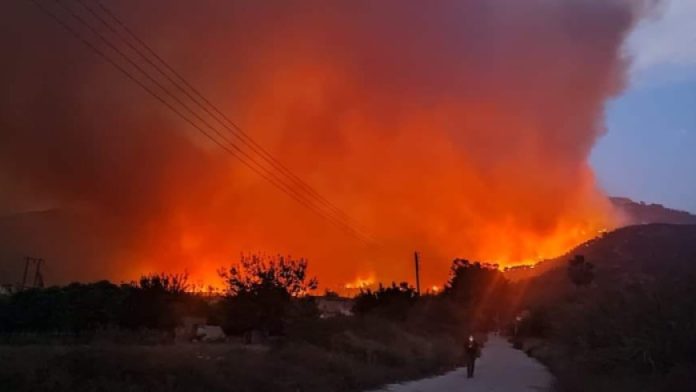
(631, 328)
(635, 249)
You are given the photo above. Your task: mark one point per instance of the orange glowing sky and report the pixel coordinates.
(458, 129)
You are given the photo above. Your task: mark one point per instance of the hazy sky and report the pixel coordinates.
(649, 152)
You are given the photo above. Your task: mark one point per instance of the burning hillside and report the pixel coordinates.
(455, 128)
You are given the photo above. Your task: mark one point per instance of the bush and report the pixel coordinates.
(480, 290)
(636, 334)
(393, 302)
(264, 293)
(155, 302)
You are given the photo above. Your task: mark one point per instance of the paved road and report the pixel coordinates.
(500, 369)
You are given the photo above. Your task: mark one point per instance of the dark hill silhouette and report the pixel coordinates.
(633, 214)
(634, 253)
(631, 326)
(639, 213)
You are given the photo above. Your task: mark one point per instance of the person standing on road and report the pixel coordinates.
(472, 351)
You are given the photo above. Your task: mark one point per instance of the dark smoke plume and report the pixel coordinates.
(459, 128)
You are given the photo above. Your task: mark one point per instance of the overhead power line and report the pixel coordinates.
(205, 104)
(307, 197)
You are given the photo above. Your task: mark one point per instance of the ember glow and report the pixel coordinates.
(459, 129)
(361, 283)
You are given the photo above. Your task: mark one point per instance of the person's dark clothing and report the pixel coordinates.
(470, 365)
(472, 352)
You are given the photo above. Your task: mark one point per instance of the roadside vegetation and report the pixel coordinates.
(107, 337)
(615, 331)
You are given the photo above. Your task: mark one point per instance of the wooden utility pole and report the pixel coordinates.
(417, 262)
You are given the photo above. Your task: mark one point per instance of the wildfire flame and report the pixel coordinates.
(459, 129)
(360, 283)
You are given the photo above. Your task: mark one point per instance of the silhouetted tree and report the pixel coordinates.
(152, 302)
(328, 293)
(37, 310)
(74, 308)
(92, 306)
(256, 273)
(481, 289)
(260, 292)
(391, 302)
(470, 282)
(172, 284)
(580, 272)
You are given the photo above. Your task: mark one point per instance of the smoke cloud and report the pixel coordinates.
(456, 128)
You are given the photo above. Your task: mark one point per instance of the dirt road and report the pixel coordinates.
(500, 369)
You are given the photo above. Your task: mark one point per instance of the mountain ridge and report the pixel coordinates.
(644, 213)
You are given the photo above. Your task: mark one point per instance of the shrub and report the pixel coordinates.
(392, 302)
(263, 293)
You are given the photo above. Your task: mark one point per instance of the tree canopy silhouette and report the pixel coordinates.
(580, 271)
(391, 301)
(155, 301)
(260, 292)
(255, 274)
(479, 288)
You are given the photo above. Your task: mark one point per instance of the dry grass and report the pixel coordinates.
(339, 356)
